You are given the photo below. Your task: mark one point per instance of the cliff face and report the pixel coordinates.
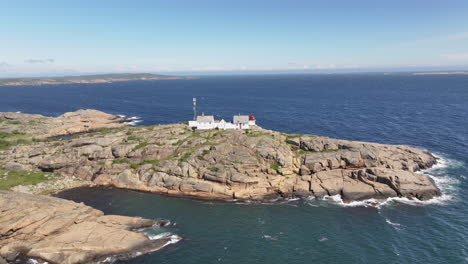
(232, 164)
(61, 231)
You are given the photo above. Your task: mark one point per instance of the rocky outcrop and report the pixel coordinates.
(69, 123)
(61, 231)
(232, 164)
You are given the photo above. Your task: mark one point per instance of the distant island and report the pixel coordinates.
(97, 78)
(440, 73)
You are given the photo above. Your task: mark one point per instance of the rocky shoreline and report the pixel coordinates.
(251, 164)
(173, 160)
(60, 231)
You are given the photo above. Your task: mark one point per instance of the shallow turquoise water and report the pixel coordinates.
(429, 112)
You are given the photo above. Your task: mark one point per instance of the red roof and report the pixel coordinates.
(252, 118)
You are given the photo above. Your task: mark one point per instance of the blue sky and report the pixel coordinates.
(79, 37)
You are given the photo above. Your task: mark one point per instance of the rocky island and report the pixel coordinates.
(97, 78)
(253, 164)
(214, 164)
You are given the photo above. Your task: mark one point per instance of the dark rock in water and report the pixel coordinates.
(61, 231)
(232, 164)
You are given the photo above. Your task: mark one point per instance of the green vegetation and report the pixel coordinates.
(179, 142)
(250, 133)
(275, 166)
(214, 169)
(185, 156)
(8, 140)
(121, 161)
(135, 138)
(141, 145)
(10, 122)
(153, 162)
(9, 179)
(126, 161)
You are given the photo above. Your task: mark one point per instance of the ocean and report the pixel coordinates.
(429, 112)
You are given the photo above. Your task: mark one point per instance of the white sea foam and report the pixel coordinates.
(108, 260)
(159, 236)
(391, 223)
(323, 239)
(268, 237)
(166, 235)
(134, 122)
(447, 185)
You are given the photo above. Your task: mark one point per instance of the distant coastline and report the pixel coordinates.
(97, 78)
(440, 73)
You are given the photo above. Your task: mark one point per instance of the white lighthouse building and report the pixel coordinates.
(204, 122)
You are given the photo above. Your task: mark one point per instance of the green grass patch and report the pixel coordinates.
(134, 138)
(214, 169)
(141, 145)
(14, 138)
(121, 161)
(9, 179)
(275, 166)
(179, 142)
(10, 122)
(250, 133)
(185, 156)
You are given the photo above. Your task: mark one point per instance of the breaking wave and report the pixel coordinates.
(438, 172)
(133, 120)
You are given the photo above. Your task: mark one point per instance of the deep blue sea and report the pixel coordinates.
(430, 112)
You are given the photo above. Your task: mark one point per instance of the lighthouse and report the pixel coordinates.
(251, 120)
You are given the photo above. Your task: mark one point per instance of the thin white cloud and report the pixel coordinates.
(459, 57)
(33, 61)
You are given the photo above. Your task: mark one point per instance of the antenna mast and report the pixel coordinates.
(194, 108)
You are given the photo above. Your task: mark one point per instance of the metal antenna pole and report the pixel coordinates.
(194, 109)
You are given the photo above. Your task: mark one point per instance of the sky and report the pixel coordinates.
(40, 38)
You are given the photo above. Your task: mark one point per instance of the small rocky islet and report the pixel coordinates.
(253, 164)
